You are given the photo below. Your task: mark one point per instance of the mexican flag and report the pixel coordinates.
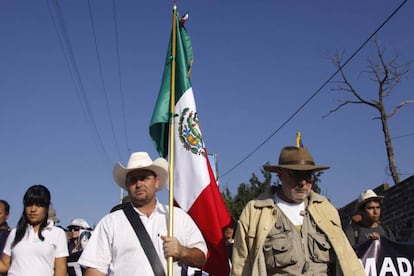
(195, 187)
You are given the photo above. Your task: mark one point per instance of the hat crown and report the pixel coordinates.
(138, 160)
(296, 159)
(79, 222)
(368, 194)
(294, 155)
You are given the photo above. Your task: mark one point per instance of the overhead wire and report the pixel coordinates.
(67, 49)
(55, 12)
(103, 80)
(402, 136)
(316, 92)
(121, 90)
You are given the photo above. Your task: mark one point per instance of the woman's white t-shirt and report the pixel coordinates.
(32, 256)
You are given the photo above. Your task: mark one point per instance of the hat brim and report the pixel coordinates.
(159, 167)
(274, 168)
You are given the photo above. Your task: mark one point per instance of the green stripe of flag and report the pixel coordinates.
(159, 126)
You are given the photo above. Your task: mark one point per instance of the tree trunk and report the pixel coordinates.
(389, 148)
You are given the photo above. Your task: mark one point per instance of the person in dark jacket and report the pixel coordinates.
(366, 225)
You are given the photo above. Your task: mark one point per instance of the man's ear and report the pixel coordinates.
(157, 182)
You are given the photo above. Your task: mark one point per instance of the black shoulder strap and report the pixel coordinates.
(144, 239)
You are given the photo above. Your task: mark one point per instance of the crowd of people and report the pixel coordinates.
(288, 230)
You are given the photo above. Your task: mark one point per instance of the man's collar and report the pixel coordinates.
(160, 208)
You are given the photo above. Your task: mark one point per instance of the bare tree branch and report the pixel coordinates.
(340, 106)
(387, 74)
(398, 107)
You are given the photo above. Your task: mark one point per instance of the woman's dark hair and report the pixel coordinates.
(6, 206)
(36, 195)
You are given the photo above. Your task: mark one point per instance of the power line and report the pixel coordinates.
(317, 91)
(102, 80)
(60, 27)
(67, 49)
(402, 136)
(121, 90)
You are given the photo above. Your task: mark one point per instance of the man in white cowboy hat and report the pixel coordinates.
(115, 249)
(368, 226)
(291, 230)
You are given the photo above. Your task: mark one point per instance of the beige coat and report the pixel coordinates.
(258, 218)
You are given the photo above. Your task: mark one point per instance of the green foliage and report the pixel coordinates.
(315, 186)
(246, 192)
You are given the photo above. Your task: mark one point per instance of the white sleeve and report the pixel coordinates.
(7, 247)
(97, 253)
(61, 245)
(188, 233)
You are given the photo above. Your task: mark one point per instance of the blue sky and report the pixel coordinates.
(64, 124)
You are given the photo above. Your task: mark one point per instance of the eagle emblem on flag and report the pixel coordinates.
(189, 132)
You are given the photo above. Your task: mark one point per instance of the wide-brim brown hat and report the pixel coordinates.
(295, 158)
(141, 161)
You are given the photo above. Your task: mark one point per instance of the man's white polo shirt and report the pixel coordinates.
(114, 248)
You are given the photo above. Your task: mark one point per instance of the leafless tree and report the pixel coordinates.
(387, 74)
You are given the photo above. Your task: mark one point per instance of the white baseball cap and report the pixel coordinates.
(79, 222)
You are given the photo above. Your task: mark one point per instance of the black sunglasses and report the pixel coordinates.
(74, 228)
(307, 176)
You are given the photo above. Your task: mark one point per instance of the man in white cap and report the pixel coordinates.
(291, 230)
(115, 248)
(368, 208)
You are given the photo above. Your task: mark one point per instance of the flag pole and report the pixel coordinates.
(171, 136)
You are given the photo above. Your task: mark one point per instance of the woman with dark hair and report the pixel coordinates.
(4, 227)
(35, 246)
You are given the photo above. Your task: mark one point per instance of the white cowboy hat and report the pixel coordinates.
(365, 196)
(141, 160)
